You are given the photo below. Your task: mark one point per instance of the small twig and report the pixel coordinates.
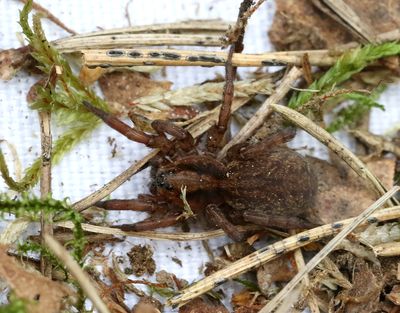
(327, 249)
(259, 117)
(50, 16)
(332, 143)
(155, 235)
(81, 277)
(271, 252)
(45, 184)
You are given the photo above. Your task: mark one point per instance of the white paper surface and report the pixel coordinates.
(90, 165)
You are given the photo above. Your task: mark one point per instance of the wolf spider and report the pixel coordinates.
(266, 183)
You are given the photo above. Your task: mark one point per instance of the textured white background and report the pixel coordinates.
(90, 165)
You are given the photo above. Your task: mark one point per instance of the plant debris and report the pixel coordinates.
(200, 305)
(141, 259)
(147, 305)
(41, 293)
(123, 87)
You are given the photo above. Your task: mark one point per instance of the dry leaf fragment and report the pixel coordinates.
(199, 305)
(41, 293)
(342, 195)
(147, 305)
(298, 25)
(141, 259)
(281, 269)
(12, 60)
(367, 283)
(124, 87)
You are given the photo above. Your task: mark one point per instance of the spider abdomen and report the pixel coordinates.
(278, 180)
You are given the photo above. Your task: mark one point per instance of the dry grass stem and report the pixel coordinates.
(387, 249)
(45, 183)
(177, 236)
(332, 143)
(208, 26)
(81, 277)
(113, 184)
(73, 44)
(300, 263)
(259, 117)
(271, 252)
(172, 57)
(271, 306)
(197, 94)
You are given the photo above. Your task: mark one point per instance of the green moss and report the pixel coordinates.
(64, 99)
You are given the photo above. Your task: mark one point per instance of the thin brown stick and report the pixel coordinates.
(45, 184)
(270, 307)
(50, 16)
(271, 252)
(73, 267)
(258, 119)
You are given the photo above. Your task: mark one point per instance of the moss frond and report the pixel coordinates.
(64, 100)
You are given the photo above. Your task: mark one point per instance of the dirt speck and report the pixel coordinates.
(141, 258)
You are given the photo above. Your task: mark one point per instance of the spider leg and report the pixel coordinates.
(182, 136)
(160, 141)
(152, 223)
(128, 205)
(246, 151)
(121, 127)
(216, 215)
(285, 222)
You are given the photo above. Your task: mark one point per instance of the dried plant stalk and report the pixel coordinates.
(82, 278)
(271, 252)
(208, 26)
(203, 93)
(154, 235)
(326, 250)
(76, 44)
(45, 183)
(164, 57)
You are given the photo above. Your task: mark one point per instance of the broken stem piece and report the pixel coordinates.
(45, 184)
(73, 267)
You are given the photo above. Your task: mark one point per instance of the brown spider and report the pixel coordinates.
(266, 183)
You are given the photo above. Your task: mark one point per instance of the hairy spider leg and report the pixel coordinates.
(248, 151)
(218, 217)
(144, 202)
(185, 139)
